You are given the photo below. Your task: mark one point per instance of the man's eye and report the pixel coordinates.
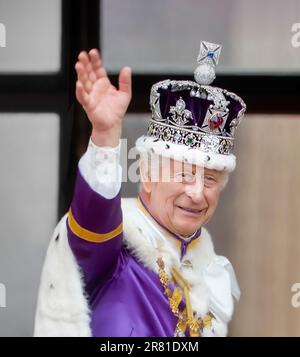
(209, 179)
(184, 177)
(188, 177)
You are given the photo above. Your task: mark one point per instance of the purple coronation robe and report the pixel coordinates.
(126, 298)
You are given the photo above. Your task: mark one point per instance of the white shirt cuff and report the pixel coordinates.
(101, 169)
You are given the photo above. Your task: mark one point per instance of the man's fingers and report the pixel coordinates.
(91, 63)
(81, 94)
(83, 76)
(84, 59)
(125, 80)
(96, 62)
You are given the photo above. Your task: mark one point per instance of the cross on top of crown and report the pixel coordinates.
(209, 53)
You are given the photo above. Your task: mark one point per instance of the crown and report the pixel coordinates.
(196, 114)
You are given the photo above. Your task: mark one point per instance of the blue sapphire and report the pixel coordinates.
(210, 54)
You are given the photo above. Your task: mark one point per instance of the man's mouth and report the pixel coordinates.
(191, 210)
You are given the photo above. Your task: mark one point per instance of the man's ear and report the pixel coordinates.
(145, 176)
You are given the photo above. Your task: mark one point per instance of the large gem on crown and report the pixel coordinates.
(216, 121)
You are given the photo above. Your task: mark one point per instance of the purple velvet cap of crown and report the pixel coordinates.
(198, 106)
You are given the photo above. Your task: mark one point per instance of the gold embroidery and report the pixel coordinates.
(186, 317)
(175, 300)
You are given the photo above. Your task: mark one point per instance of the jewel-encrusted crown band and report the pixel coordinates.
(194, 140)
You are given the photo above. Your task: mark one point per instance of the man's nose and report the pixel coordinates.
(195, 190)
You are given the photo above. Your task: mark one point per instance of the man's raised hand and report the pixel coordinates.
(104, 104)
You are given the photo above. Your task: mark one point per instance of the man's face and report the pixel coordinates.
(184, 197)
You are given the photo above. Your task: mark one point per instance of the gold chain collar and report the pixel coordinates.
(186, 318)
